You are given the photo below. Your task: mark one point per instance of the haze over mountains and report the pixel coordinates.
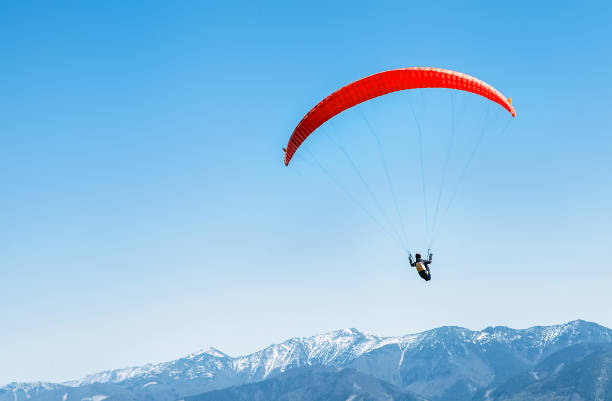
(448, 363)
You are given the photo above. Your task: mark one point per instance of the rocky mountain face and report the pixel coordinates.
(448, 363)
(313, 384)
(578, 372)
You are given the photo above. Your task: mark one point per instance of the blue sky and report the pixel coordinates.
(146, 212)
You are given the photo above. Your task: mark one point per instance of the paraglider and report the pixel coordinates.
(422, 266)
(380, 84)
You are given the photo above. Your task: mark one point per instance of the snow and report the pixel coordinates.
(209, 352)
(97, 397)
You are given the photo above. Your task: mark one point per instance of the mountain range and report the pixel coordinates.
(448, 363)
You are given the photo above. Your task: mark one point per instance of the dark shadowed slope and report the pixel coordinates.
(312, 384)
(580, 372)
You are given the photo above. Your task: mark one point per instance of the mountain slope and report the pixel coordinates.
(312, 384)
(579, 372)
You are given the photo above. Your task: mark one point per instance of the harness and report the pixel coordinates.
(420, 266)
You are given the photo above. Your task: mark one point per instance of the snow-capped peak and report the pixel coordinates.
(210, 351)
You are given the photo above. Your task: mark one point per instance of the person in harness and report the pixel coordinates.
(421, 265)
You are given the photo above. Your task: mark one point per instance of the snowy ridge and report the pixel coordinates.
(330, 349)
(31, 386)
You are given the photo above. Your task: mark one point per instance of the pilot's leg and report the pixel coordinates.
(425, 275)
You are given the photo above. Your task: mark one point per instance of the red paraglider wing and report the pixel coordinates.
(381, 84)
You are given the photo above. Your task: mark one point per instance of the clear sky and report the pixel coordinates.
(145, 211)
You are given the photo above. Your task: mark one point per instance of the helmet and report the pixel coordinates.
(418, 255)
